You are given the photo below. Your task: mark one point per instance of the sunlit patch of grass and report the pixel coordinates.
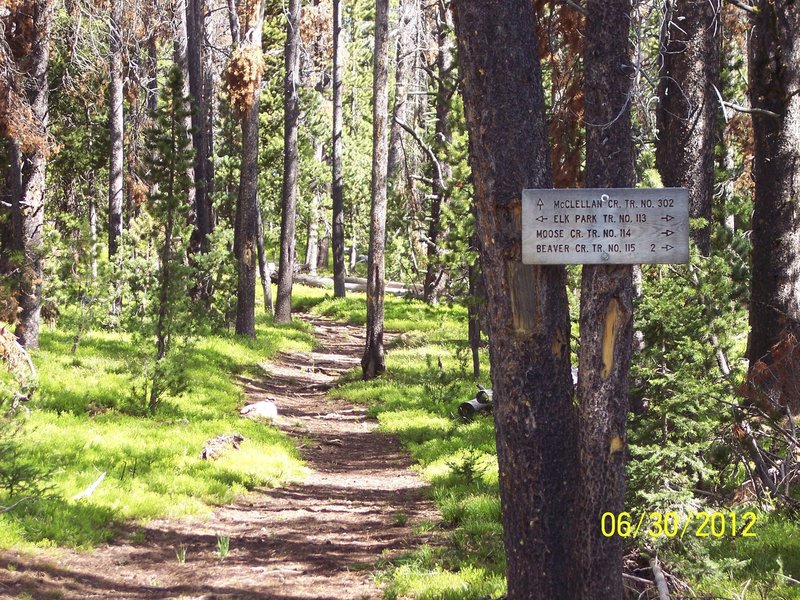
(428, 574)
(764, 566)
(84, 422)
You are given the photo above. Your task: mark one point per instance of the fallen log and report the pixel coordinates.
(357, 284)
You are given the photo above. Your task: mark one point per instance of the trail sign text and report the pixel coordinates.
(605, 226)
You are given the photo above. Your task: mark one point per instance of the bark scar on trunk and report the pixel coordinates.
(615, 318)
(559, 346)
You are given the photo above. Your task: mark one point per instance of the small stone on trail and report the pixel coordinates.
(265, 409)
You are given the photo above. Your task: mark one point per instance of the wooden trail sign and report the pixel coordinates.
(605, 226)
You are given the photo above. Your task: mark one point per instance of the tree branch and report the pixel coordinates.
(575, 5)
(660, 580)
(753, 111)
(437, 167)
(745, 7)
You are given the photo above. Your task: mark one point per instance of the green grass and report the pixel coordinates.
(83, 423)
(752, 568)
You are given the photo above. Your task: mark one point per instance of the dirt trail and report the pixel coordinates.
(318, 540)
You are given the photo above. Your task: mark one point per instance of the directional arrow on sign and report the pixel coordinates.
(540, 204)
(542, 219)
(667, 247)
(667, 233)
(667, 218)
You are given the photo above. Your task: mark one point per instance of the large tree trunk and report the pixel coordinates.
(291, 118)
(201, 131)
(529, 328)
(372, 363)
(247, 203)
(435, 274)
(337, 188)
(30, 202)
(606, 319)
(115, 130)
(774, 84)
(688, 106)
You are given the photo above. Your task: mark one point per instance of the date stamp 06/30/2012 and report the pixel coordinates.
(671, 524)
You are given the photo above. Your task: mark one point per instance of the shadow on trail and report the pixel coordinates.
(316, 540)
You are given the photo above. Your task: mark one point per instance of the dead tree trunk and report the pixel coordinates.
(245, 241)
(116, 130)
(606, 317)
(291, 118)
(337, 188)
(688, 106)
(529, 331)
(372, 363)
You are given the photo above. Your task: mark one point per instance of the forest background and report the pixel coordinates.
(158, 156)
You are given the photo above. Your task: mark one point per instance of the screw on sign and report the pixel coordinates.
(605, 226)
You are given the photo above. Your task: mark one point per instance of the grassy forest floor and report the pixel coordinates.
(323, 499)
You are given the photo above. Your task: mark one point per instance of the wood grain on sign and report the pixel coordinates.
(605, 226)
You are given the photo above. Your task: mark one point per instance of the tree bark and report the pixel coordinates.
(774, 66)
(247, 203)
(33, 164)
(291, 118)
(116, 130)
(372, 363)
(688, 105)
(202, 133)
(337, 187)
(606, 313)
(529, 331)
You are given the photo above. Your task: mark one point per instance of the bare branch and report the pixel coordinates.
(743, 109)
(427, 149)
(745, 7)
(753, 111)
(575, 5)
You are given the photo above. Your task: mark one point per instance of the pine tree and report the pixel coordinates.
(169, 156)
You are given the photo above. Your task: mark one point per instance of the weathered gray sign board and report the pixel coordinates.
(605, 226)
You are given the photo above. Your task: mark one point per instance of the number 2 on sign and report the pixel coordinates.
(652, 247)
